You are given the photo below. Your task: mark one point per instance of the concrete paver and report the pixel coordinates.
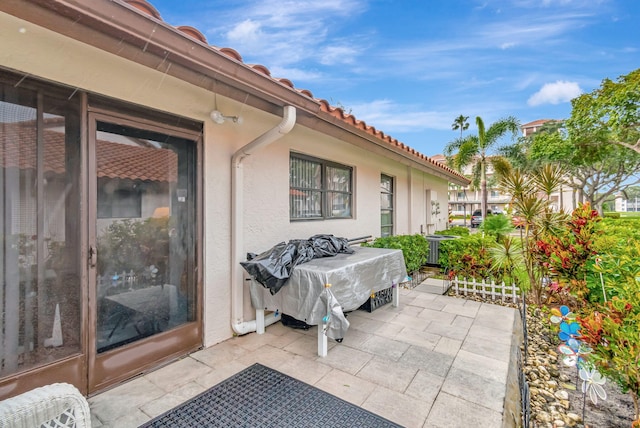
(434, 361)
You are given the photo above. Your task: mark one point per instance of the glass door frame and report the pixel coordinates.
(113, 366)
(73, 368)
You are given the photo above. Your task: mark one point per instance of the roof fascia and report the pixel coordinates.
(331, 125)
(123, 30)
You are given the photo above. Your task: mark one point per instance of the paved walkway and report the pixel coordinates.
(435, 361)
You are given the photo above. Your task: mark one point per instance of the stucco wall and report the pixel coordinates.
(43, 54)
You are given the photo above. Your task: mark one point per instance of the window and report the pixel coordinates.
(386, 205)
(319, 189)
(119, 203)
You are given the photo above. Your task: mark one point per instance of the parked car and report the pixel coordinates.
(476, 218)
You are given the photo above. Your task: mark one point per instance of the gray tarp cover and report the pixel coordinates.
(273, 267)
(353, 278)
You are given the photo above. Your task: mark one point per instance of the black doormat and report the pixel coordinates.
(262, 397)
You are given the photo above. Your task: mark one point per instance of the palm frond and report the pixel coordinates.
(476, 175)
(481, 132)
(517, 184)
(529, 207)
(551, 222)
(452, 146)
(467, 152)
(501, 166)
(549, 178)
(499, 129)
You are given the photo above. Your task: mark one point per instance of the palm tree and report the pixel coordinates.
(460, 123)
(473, 149)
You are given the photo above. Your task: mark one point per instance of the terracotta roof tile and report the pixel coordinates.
(193, 32)
(535, 123)
(18, 150)
(136, 163)
(262, 69)
(147, 8)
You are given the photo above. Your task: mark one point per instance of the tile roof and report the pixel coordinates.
(18, 149)
(337, 112)
(535, 123)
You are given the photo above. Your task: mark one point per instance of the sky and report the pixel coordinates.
(410, 67)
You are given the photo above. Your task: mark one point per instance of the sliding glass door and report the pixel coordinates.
(99, 226)
(143, 246)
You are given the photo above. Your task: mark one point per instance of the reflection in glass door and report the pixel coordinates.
(40, 288)
(143, 252)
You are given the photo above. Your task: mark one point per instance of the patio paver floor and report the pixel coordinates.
(434, 361)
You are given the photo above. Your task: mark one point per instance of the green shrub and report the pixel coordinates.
(611, 215)
(454, 231)
(415, 248)
(498, 225)
(467, 256)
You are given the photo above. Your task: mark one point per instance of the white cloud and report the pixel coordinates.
(293, 33)
(332, 55)
(245, 33)
(389, 116)
(296, 74)
(555, 93)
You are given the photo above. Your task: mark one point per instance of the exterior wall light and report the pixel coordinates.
(220, 118)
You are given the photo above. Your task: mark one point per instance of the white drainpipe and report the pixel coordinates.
(239, 325)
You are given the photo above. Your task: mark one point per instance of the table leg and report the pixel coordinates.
(396, 295)
(322, 340)
(260, 321)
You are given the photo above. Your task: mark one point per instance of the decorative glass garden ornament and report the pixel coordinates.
(573, 352)
(569, 331)
(592, 384)
(561, 314)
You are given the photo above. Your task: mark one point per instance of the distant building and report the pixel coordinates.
(464, 200)
(532, 127)
(626, 205)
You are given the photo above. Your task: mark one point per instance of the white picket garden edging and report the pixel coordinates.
(486, 289)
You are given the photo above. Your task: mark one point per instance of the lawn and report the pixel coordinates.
(627, 214)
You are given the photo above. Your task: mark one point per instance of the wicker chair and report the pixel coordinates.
(55, 405)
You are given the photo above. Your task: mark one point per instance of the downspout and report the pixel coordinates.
(239, 325)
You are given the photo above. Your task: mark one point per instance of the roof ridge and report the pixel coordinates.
(147, 8)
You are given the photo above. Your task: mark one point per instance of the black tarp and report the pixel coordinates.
(273, 267)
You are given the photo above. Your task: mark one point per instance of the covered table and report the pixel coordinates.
(353, 278)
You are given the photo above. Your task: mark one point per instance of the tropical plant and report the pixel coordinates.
(613, 331)
(530, 198)
(467, 256)
(474, 150)
(569, 255)
(498, 225)
(460, 123)
(507, 262)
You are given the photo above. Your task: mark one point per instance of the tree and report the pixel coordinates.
(538, 219)
(593, 167)
(460, 123)
(474, 149)
(632, 192)
(610, 113)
